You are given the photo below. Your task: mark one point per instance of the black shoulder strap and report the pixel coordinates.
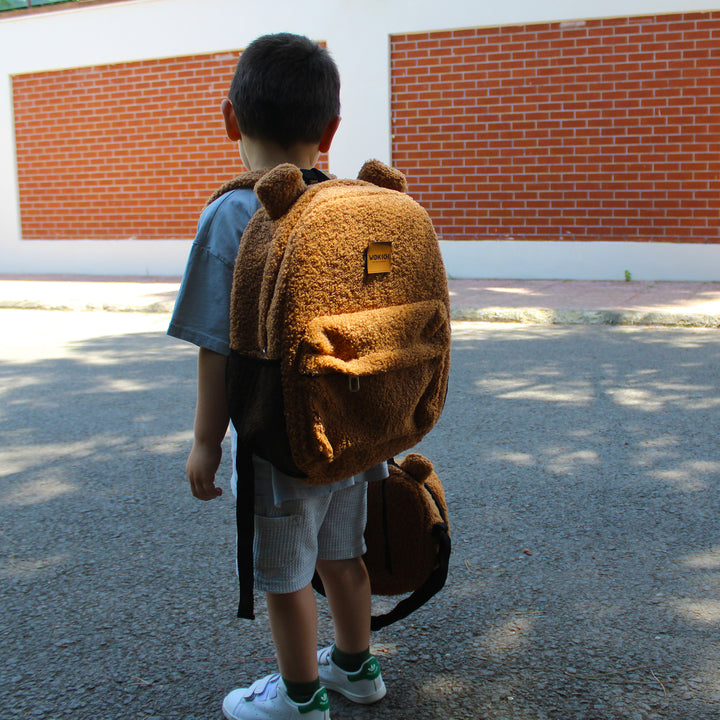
(313, 176)
(245, 502)
(245, 519)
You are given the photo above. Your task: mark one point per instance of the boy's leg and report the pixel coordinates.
(295, 692)
(341, 544)
(347, 587)
(293, 622)
(348, 667)
(285, 553)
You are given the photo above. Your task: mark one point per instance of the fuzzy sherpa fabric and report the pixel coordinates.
(377, 173)
(246, 181)
(402, 511)
(364, 357)
(278, 192)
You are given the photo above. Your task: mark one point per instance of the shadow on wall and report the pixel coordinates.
(581, 473)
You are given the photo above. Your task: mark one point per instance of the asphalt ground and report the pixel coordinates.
(581, 469)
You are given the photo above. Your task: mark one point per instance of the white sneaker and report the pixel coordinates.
(267, 699)
(365, 686)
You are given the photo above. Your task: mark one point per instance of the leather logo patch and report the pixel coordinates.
(379, 257)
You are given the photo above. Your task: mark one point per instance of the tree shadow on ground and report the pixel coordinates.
(116, 583)
(582, 475)
(582, 478)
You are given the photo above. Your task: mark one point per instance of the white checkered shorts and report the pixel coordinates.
(292, 536)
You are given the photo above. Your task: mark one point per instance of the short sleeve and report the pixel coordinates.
(202, 309)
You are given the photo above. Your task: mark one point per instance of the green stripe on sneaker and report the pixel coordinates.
(320, 702)
(369, 671)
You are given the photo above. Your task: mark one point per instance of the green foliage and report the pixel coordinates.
(12, 4)
(628, 276)
(24, 4)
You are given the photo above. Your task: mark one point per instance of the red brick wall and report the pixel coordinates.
(123, 151)
(596, 130)
(130, 150)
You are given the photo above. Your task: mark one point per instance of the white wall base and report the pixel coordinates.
(471, 259)
(538, 260)
(96, 257)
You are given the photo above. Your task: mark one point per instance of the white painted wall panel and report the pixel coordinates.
(357, 33)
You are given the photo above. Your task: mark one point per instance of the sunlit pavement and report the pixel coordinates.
(538, 301)
(581, 469)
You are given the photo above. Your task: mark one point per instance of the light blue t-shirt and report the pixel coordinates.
(202, 309)
(202, 316)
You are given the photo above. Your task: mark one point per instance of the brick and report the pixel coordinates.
(82, 143)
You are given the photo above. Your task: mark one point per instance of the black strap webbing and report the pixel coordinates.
(245, 503)
(313, 175)
(434, 583)
(245, 519)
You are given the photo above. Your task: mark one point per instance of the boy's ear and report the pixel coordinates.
(329, 134)
(231, 124)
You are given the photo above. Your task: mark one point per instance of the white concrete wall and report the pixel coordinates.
(557, 260)
(357, 33)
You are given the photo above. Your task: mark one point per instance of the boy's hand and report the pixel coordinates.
(211, 421)
(201, 466)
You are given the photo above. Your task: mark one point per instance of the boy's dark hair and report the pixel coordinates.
(286, 89)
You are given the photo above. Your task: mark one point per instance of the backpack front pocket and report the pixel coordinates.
(371, 342)
(373, 379)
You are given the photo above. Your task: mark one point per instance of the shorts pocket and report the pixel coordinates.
(285, 553)
(276, 540)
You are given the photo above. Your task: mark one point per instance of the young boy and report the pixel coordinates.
(283, 107)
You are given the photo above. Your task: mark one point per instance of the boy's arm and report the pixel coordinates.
(211, 421)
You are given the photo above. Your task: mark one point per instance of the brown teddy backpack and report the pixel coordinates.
(339, 326)
(340, 310)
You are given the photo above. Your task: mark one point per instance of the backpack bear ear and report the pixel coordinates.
(278, 189)
(377, 173)
(417, 466)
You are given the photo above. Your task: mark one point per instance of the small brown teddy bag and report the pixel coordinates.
(407, 537)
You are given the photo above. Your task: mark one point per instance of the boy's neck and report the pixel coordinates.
(258, 155)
